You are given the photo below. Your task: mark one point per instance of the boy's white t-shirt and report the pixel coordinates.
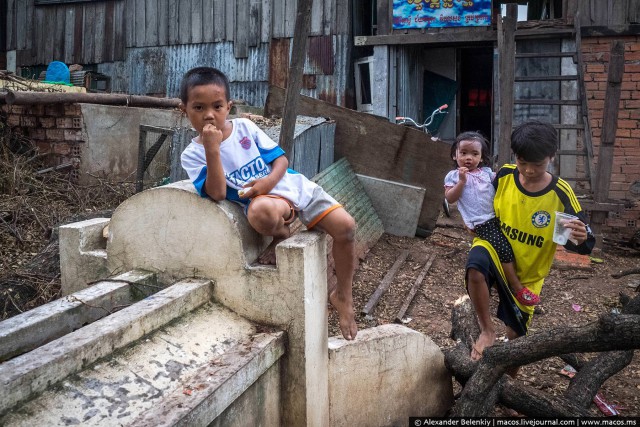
(246, 156)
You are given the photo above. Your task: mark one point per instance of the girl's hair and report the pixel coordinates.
(202, 76)
(473, 136)
(534, 140)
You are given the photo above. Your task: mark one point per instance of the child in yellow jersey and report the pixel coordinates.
(527, 197)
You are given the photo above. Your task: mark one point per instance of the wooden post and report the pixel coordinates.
(507, 61)
(609, 128)
(296, 69)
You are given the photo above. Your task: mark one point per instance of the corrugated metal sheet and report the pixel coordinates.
(407, 75)
(341, 182)
(320, 56)
(332, 88)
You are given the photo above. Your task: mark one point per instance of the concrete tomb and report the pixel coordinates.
(180, 327)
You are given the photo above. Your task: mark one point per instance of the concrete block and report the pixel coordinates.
(398, 205)
(83, 257)
(33, 372)
(112, 133)
(43, 324)
(185, 373)
(388, 374)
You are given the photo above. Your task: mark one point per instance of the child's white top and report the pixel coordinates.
(476, 201)
(246, 156)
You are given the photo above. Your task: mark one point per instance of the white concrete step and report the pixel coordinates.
(33, 328)
(186, 372)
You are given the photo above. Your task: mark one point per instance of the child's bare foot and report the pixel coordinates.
(268, 256)
(346, 316)
(486, 339)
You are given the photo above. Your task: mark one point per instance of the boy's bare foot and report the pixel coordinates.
(346, 316)
(268, 256)
(486, 339)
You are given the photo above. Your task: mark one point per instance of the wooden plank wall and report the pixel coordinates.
(83, 33)
(95, 32)
(609, 13)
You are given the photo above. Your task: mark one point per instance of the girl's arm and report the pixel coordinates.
(453, 193)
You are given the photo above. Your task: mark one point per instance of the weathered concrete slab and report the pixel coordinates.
(33, 372)
(388, 374)
(218, 384)
(185, 373)
(83, 255)
(398, 205)
(43, 324)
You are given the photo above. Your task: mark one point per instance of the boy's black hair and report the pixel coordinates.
(474, 136)
(534, 140)
(202, 76)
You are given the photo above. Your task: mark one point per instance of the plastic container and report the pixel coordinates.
(561, 234)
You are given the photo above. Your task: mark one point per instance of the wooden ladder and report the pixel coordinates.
(574, 129)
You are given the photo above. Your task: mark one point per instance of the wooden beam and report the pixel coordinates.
(385, 283)
(35, 98)
(385, 18)
(465, 37)
(298, 55)
(381, 149)
(586, 124)
(507, 65)
(414, 289)
(609, 128)
(613, 31)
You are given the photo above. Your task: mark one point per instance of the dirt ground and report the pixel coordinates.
(591, 290)
(28, 215)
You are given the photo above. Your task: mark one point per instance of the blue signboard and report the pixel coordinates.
(440, 13)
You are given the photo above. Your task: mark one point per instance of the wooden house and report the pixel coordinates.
(496, 64)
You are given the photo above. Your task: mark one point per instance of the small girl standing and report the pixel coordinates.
(470, 184)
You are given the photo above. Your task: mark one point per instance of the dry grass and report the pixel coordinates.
(33, 204)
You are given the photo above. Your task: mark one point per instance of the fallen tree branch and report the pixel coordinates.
(488, 385)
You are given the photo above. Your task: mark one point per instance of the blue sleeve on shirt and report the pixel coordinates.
(272, 154)
(199, 182)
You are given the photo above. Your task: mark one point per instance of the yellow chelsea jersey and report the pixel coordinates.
(527, 219)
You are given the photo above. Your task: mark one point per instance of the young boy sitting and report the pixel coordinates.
(236, 160)
(526, 201)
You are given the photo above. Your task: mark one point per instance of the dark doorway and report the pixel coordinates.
(476, 78)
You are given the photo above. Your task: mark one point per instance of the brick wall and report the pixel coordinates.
(625, 174)
(55, 129)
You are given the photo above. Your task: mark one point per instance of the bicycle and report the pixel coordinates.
(401, 120)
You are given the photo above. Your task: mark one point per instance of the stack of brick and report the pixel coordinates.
(625, 174)
(56, 130)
